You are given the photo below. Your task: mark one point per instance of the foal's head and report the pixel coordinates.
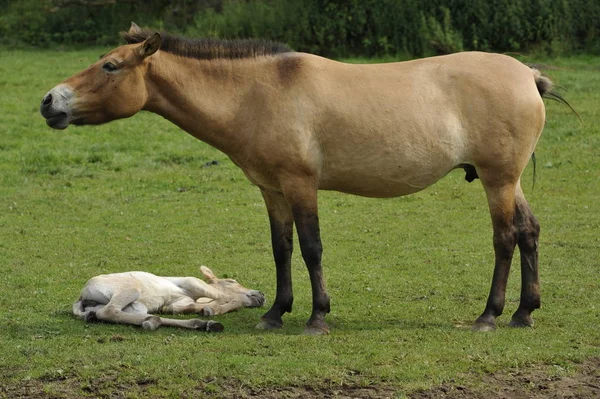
(231, 287)
(112, 88)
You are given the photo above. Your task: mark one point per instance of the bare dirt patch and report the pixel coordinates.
(532, 383)
(535, 382)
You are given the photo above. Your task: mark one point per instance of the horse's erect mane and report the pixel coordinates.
(208, 48)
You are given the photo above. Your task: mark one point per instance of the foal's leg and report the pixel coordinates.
(113, 311)
(192, 324)
(188, 305)
(501, 200)
(205, 308)
(528, 234)
(280, 218)
(197, 288)
(123, 309)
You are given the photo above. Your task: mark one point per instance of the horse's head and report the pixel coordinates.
(112, 88)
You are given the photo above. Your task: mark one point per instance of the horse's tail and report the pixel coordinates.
(546, 89)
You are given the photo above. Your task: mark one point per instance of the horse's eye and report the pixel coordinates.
(109, 67)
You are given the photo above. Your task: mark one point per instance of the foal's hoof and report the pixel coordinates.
(521, 322)
(207, 311)
(213, 326)
(151, 323)
(483, 327)
(90, 317)
(264, 324)
(201, 325)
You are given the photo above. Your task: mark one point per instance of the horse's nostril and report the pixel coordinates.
(47, 100)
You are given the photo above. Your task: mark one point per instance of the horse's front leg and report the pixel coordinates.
(280, 218)
(301, 194)
(307, 225)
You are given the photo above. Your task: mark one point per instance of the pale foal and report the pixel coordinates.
(132, 297)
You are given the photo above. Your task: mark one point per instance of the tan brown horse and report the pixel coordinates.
(296, 123)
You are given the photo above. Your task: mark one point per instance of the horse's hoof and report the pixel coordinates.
(520, 322)
(483, 327)
(268, 325)
(314, 331)
(151, 323)
(214, 326)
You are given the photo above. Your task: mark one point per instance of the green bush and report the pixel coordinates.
(441, 36)
(331, 28)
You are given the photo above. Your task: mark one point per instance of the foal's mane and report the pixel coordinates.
(208, 48)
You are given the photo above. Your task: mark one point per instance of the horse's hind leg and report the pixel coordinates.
(528, 234)
(501, 200)
(513, 224)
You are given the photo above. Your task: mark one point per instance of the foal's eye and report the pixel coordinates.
(109, 67)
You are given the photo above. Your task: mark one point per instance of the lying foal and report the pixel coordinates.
(131, 297)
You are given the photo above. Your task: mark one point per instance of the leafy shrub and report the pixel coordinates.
(327, 27)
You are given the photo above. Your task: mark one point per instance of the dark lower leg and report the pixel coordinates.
(282, 242)
(321, 301)
(504, 245)
(529, 231)
(307, 224)
(501, 200)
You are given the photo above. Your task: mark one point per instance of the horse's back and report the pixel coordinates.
(393, 129)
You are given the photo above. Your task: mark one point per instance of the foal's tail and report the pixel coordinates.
(79, 309)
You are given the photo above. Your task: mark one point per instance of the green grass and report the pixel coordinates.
(407, 276)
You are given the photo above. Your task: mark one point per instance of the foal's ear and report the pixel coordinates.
(150, 45)
(208, 273)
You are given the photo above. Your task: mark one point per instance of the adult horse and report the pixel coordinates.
(296, 123)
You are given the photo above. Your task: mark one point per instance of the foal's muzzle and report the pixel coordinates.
(56, 107)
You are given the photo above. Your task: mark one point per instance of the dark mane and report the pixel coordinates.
(207, 48)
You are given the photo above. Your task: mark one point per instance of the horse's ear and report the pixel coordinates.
(150, 45)
(134, 28)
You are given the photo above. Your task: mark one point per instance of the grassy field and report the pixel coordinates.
(407, 276)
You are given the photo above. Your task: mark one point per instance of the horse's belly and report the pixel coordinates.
(391, 157)
(381, 185)
(390, 170)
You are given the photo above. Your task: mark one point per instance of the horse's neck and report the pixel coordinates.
(201, 97)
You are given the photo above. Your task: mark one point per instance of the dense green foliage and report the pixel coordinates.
(407, 276)
(333, 28)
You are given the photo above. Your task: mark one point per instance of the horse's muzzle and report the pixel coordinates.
(55, 107)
